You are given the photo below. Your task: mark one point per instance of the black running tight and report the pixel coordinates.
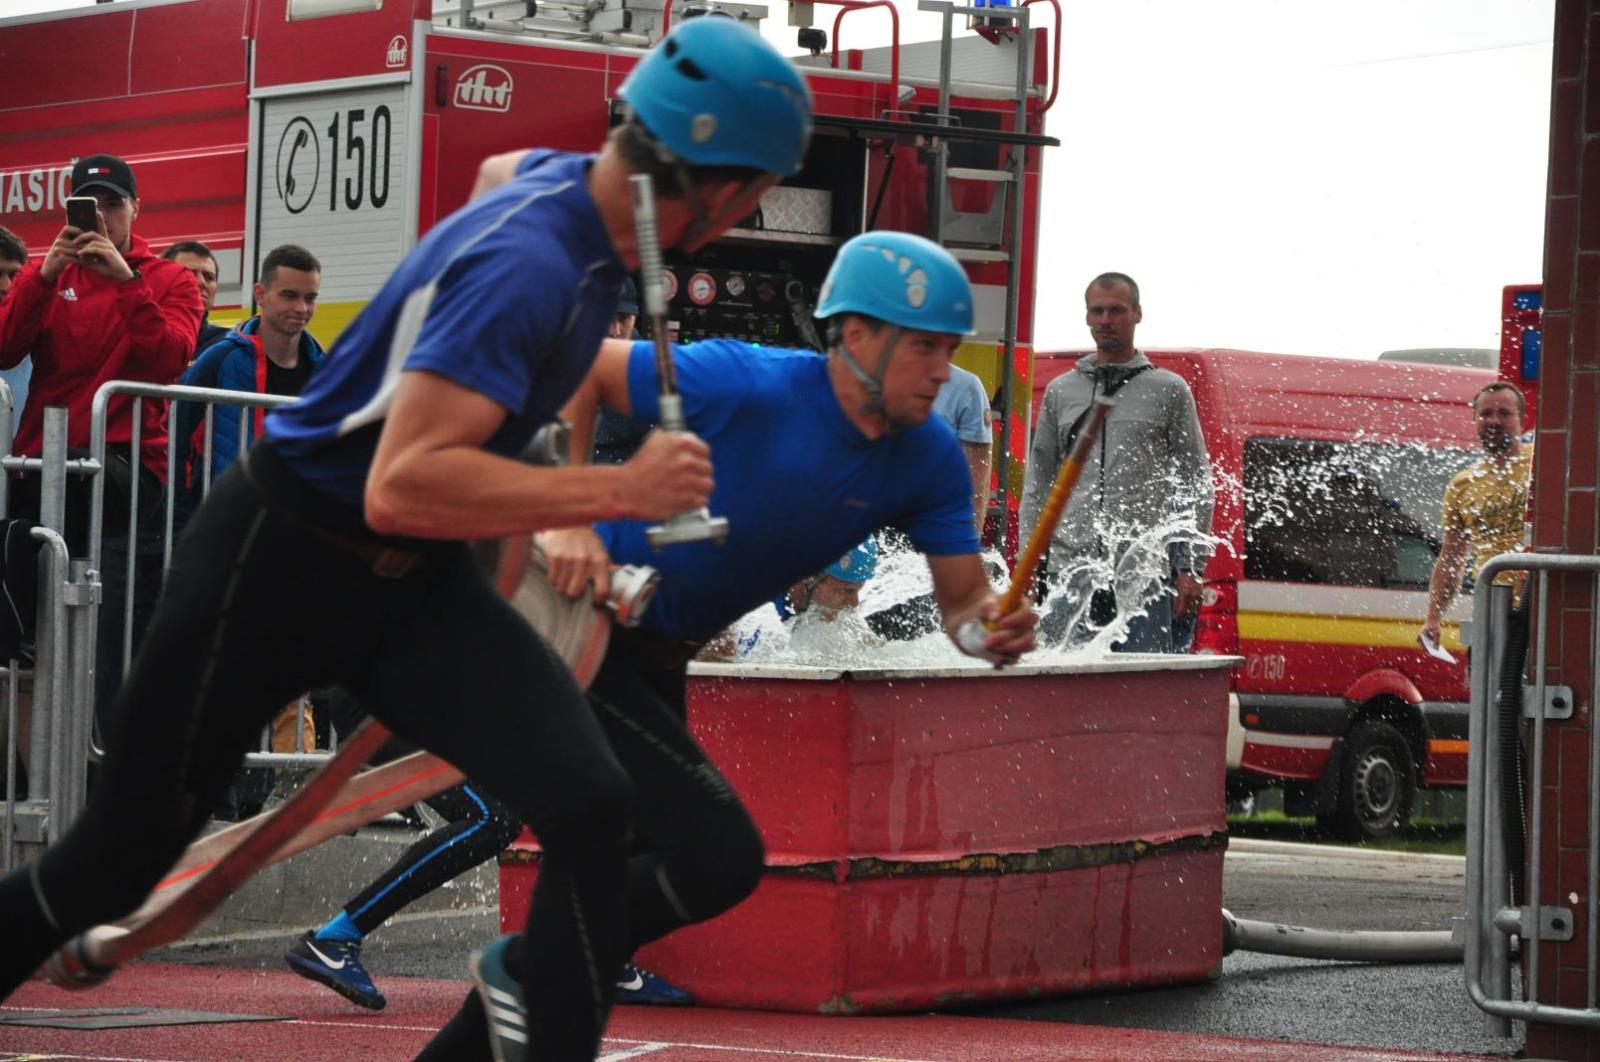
(698, 851)
(258, 608)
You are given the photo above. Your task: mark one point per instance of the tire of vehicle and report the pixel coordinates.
(1377, 785)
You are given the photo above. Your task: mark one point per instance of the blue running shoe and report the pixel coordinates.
(503, 1003)
(641, 986)
(337, 964)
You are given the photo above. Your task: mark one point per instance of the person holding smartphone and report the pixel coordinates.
(102, 306)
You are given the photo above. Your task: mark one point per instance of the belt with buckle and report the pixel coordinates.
(386, 562)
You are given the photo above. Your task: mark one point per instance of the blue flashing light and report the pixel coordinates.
(1531, 341)
(1527, 300)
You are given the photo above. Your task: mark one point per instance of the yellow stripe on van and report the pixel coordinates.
(1339, 630)
(1447, 747)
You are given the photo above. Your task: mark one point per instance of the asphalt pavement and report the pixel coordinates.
(1422, 1007)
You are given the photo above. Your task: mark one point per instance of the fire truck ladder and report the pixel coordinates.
(994, 235)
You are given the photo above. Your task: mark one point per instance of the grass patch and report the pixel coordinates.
(1438, 836)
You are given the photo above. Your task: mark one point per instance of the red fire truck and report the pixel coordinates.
(352, 126)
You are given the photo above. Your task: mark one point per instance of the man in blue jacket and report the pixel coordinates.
(270, 354)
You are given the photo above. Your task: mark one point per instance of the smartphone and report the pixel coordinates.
(83, 212)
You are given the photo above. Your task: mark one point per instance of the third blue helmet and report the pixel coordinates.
(900, 278)
(856, 566)
(716, 93)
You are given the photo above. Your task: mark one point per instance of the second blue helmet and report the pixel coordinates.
(716, 93)
(900, 278)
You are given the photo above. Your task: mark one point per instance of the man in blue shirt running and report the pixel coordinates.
(355, 506)
(813, 455)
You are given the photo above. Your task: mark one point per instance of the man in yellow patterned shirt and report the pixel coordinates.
(1486, 503)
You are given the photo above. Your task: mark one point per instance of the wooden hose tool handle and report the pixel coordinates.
(1060, 494)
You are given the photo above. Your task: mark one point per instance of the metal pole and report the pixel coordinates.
(128, 587)
(1594, 803)
(173, 477)
(48, 718)
(8, 415)
(53, 667)
(1532, 902)
(1487, 884)
(938, 178)
(8, 824)
(84, 591)
(1013, 216)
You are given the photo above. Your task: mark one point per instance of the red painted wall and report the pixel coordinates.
(1564, 493)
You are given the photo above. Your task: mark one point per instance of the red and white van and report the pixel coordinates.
(1330, 475)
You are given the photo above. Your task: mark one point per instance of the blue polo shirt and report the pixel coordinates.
(799, 483)
(509, 296)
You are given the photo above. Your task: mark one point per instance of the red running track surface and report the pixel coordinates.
(321, 1026)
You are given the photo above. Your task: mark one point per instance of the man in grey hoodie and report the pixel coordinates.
(1130, 540)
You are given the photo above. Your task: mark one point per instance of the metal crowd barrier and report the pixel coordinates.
(1492, 917)
(64, 738)
(210, 398)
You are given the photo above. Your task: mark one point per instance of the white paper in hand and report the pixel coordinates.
(1434, 649)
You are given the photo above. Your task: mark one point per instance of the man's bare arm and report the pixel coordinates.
(1445, 580)
(496, 170)
(431, 478)
(978, 465)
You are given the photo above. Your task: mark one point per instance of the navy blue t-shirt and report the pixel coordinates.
(799, 484)
(510, 296)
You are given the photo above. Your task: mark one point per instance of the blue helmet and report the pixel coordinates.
(856, 566)
(716, 93)
(900, 278)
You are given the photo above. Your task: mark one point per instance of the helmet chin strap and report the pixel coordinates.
(699, 220)
(701, 223)
(872, 382)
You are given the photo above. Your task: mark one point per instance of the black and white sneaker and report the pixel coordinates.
(503, 1002)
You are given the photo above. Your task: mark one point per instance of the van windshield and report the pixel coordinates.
(1346, 514)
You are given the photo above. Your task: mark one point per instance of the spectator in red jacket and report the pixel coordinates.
(101, 306)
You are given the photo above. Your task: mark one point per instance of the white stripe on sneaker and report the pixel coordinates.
(509, 1015)
(503, 997)
(505, 1029)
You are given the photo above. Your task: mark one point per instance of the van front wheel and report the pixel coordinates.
(1377, 784)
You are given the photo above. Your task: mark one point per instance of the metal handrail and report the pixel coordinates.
(1490, 919)
(1055, 59)
(179, 392)
(847, 6)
